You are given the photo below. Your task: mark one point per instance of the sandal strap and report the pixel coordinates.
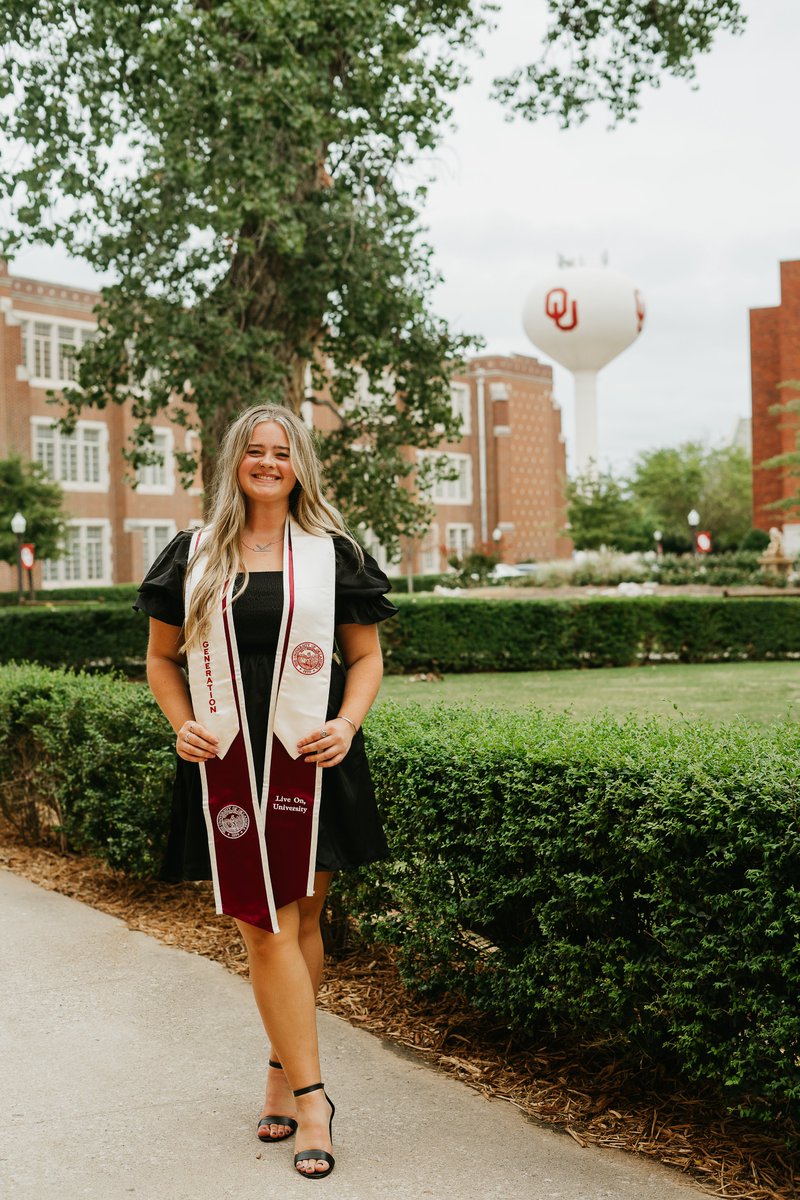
(312, 1087)
(277, 1120)
(278, 1066)
(309, 1155)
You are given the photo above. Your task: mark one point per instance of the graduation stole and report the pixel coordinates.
(263, 849)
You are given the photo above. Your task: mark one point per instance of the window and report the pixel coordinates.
(79, 460)
(158, 476)
(42, 350)
(67, 346)
(44, 448)
(458, 490)
(154, 538)
(459, 540)
(86, 557)
(378, 551)
(49, 348)
(461, 404)
(430, 556)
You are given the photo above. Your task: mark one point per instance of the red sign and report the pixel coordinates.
(26, 555)
(703, 541)
(560, 309)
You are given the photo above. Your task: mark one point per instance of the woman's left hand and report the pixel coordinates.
(329, 745)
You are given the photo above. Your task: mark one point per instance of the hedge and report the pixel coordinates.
(633, 882)
(460, 633)
(92, 753)
(114, 593)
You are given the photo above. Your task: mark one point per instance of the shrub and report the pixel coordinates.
(462, 634)
(631, 881)
(90, 757)
(458, 633)
(117, 593)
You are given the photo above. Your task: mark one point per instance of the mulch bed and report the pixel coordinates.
(581, 1088)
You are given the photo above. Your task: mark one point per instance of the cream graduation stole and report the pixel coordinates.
(263, 849)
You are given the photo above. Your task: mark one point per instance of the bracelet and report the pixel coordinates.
(342, 717)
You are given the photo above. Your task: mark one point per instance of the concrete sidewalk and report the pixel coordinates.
(134, 1069)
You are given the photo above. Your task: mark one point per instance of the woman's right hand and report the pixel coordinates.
(194, 743)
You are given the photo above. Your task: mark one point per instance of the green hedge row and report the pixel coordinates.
(636, 882)
(454, 634)
(462, 634)
(92, 753)
(118, 593)
(633, 882)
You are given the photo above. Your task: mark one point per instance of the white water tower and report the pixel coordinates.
(583, 317)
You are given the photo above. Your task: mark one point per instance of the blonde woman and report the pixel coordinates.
(272, 792)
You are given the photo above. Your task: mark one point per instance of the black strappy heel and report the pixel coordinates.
(307, 1155)
(271, 1120)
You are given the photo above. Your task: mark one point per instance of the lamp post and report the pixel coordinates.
(657, 536)
(694, 520)
(18, 527)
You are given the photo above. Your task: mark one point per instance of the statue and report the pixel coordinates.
(774, 558)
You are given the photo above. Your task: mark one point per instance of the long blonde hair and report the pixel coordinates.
(226, 521)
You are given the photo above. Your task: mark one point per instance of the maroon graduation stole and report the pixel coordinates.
(263, 849)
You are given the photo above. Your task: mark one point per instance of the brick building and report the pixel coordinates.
(510, 461)
(775, 359)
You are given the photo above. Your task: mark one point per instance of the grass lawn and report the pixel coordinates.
(760, 691)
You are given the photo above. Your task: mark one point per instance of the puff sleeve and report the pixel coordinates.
(161, 592)
(360, 591)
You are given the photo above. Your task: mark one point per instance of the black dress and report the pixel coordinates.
(350, 830)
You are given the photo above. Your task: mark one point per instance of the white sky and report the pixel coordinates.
(697, 202)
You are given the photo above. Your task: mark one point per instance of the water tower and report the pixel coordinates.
(583, 317)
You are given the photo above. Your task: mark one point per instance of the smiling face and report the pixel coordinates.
(265, 473)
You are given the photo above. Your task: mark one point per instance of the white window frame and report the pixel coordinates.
(147, 529)
(446, 491)
(461, 405)
(430, 552)
(27, 321)
(81, 484)
(459, 538)
(159, 489)
(54, 570)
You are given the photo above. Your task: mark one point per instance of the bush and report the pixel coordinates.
(456, 633)
(90, 757)
(460, 634)
(117, 593)
(632, 882)
(80, 635)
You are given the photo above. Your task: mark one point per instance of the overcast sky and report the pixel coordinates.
(697, 202)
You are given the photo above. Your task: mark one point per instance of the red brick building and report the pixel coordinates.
(510, 460)
(775, 359)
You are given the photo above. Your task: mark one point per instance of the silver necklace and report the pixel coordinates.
(263, 547)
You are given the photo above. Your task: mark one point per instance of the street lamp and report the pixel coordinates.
(657, 536)
(18, 527)
(694, 520)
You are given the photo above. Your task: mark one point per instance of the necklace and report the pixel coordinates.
(262, 547)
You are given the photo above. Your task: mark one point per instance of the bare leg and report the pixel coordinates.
(278, 1097)
(285, 969)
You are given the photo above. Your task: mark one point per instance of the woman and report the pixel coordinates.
(272, 792)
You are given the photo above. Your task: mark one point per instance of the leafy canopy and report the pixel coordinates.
(658, 493)
(25, 488)
(239, 171)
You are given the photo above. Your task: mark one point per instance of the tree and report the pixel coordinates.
(236, 168)
(716, 482)
(608, 51)
(25, 488)
(602, 512)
